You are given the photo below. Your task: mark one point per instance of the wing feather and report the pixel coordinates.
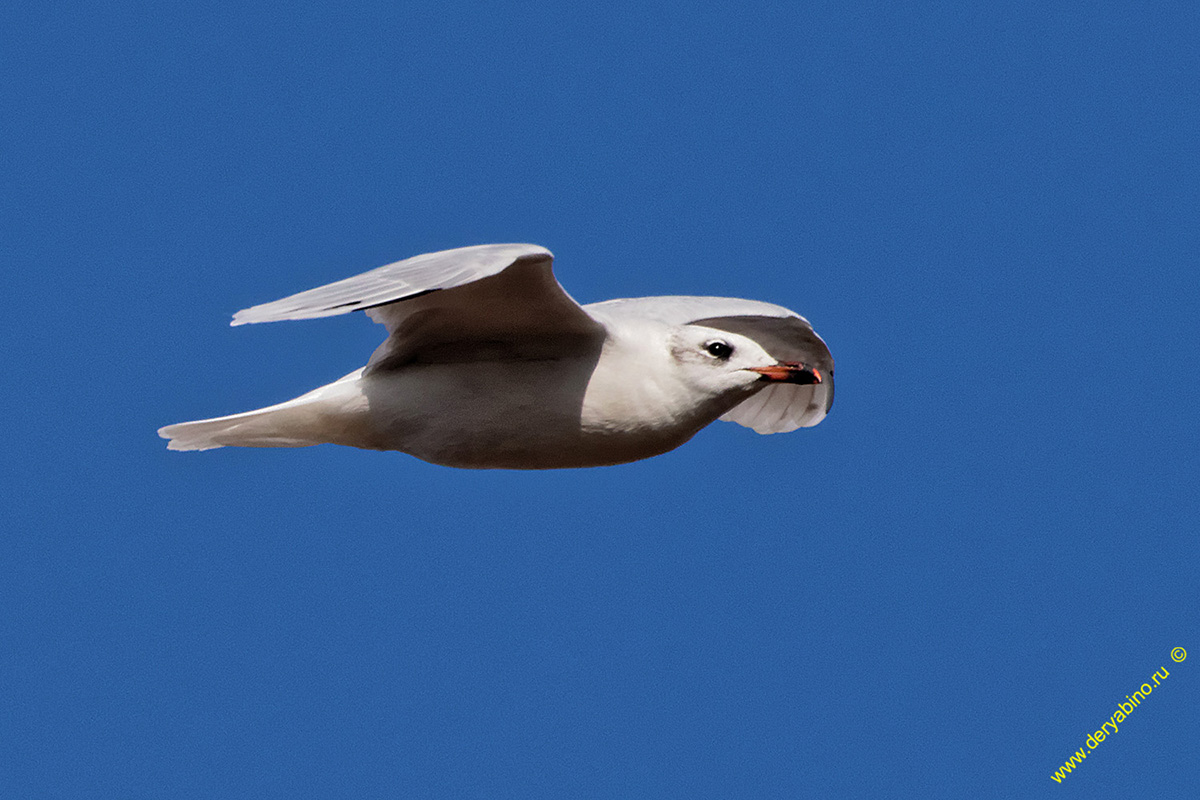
(472, 303)
(409, 278)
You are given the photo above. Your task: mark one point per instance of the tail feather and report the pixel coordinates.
(325, 414)
(265, 427)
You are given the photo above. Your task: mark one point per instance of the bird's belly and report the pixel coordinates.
(528, 415)
(487, 448)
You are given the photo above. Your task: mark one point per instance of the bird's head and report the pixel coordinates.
(718, 362)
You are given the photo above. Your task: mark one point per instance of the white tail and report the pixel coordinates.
(322, 415)
(262, 428)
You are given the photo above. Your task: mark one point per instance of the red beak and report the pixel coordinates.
(788, 372)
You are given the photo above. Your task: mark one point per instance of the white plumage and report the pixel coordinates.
(489, 363)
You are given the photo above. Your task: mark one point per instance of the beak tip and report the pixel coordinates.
(790, 372)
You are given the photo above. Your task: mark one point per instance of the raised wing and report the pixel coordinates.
(457, 304)
(401, 280)
(784, 334)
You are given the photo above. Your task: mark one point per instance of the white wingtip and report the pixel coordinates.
(782, 408)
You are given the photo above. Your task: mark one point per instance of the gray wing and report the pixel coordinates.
(452, 304)
(784, 334)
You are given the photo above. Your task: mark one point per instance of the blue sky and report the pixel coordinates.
(989, 212)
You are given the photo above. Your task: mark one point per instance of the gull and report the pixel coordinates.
(488, 363)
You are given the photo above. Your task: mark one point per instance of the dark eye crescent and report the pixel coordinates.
(718, 349)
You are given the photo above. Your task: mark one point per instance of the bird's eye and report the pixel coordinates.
(719, 349)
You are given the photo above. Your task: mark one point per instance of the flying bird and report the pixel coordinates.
(489, 363)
